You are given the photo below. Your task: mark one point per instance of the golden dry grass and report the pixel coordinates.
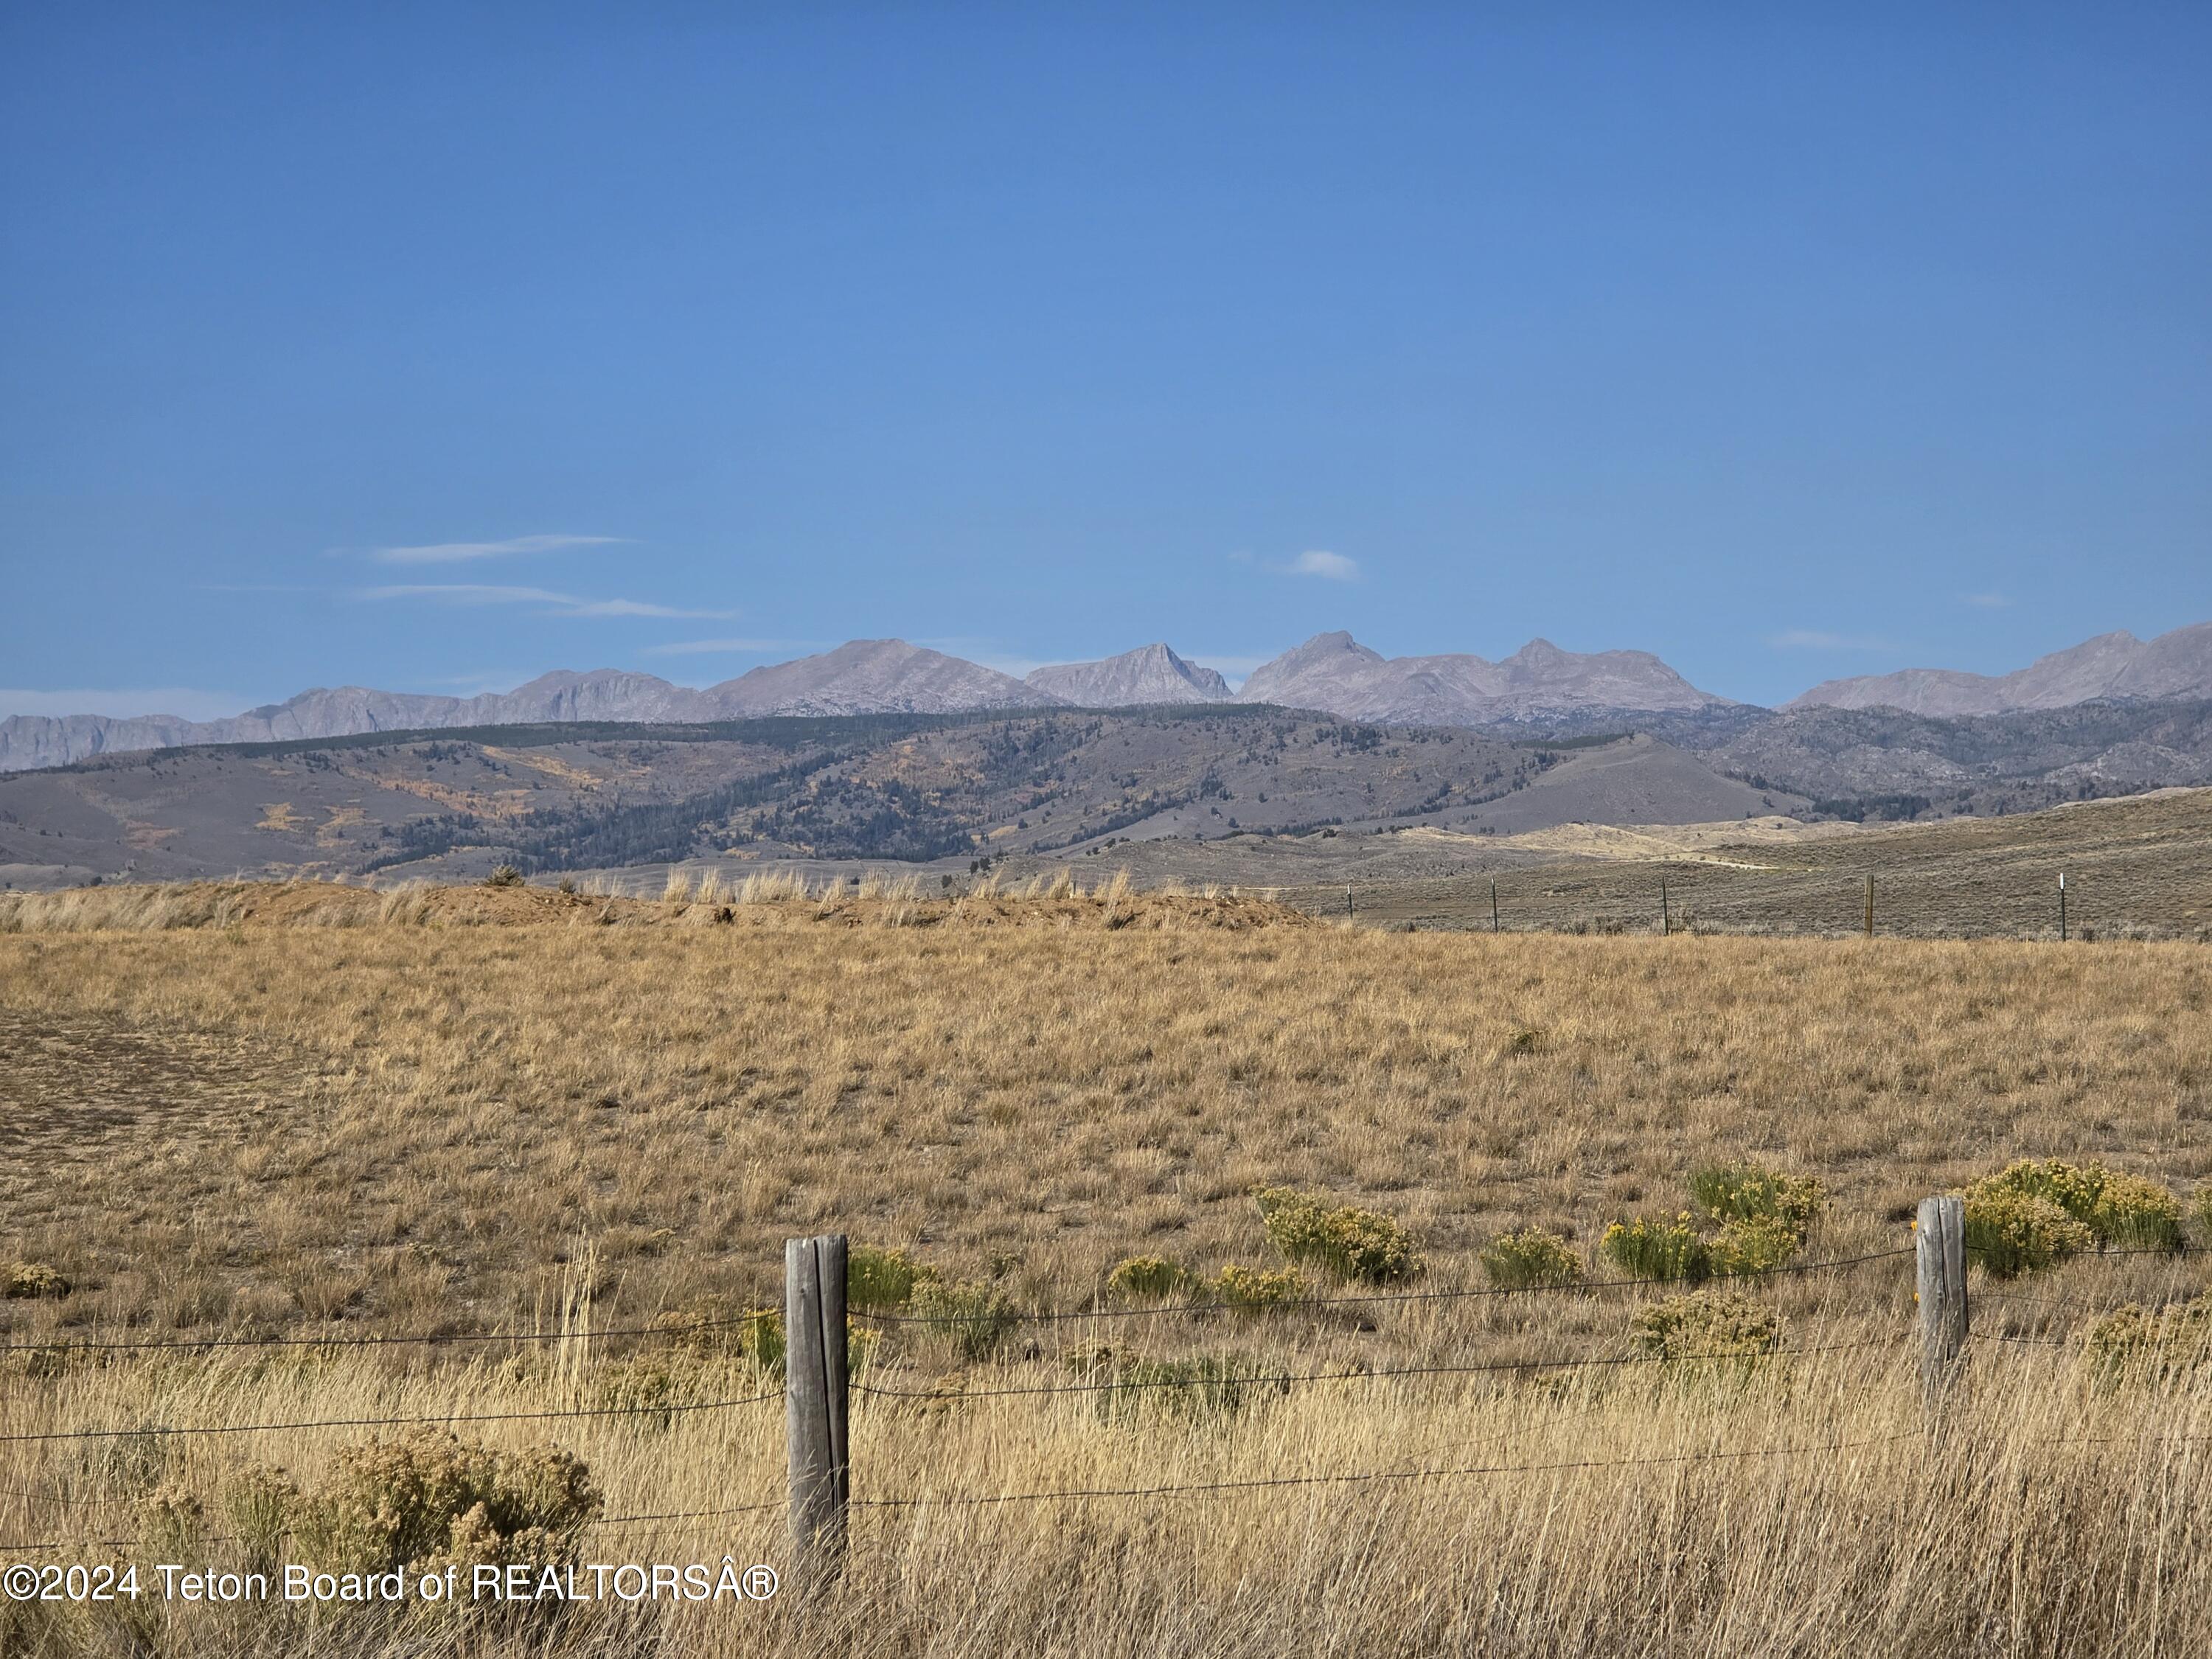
(259, 1128)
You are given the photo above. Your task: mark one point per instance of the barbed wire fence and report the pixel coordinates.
(818, 1384)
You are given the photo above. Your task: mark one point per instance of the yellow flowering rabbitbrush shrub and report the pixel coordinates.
(1350, 1242)
(32, 1280)
(1753, 1244)
(2153, 1345)
(2121, 1211)
(1748, 1192)
(1657, 1247)
(428, 1497)
(1707, 1325)
(1529, 1257)
(1257, 1287)
(1147, 1279)
(2011, 1232)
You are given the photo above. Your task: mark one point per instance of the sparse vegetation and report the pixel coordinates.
(422, 1127)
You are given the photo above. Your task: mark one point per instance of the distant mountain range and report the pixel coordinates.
(2175, 664)
(1539, 685)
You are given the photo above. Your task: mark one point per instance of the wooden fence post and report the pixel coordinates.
(815, 1378)
(1870, 907)
(1666, 922)
(1940, 1255)
(1493, 907)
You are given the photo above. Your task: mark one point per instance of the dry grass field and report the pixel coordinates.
(316, 1113)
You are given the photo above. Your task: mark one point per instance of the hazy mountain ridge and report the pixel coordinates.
(1539, 690)
(1330, 672)
(1334, 672)
(2177, 664)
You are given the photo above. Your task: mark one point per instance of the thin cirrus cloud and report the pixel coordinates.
(1987, 601)
(1329, 567)
(463, 552)
(551, 604)
(1814, 639)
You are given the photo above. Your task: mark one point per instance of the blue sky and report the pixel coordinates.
(431, 348)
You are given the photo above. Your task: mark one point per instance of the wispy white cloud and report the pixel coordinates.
(461, 552)
(1814, 639)
(1987, 601)
(1330, 567)
(554, 603)
(732, 648)
(185, 703)
(1333, 567)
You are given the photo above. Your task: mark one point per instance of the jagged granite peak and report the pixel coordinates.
(2178, 663)
(1335, 673)
(1149, 674)
(875, 677)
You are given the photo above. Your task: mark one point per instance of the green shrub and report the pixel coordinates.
(428, 1497)
(2147, 1344)
(1707, 1325)
(1148, 1279)
(2203, 1203)
(2119, 1209)
(30, 1280)
(1352, 1243)
(973, 1318)
(1747, 1192)
(1753, 1244)
(1257, 1287)
(1191, 1389)
(1529, 1257)
(880, 1278)
(1655, 1247)
(2011, 1232)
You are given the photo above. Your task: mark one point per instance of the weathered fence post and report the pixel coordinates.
(1870, 907)
(815, 1378)
(1493, 907)
(1666, 922)
(1940, 1255)
(2062, 907)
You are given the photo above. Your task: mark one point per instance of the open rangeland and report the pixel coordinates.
(335, 1118)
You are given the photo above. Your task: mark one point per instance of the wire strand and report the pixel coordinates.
(1181, 1309)
(389, 1422)
(1378, 1474)
(1287, 1378)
